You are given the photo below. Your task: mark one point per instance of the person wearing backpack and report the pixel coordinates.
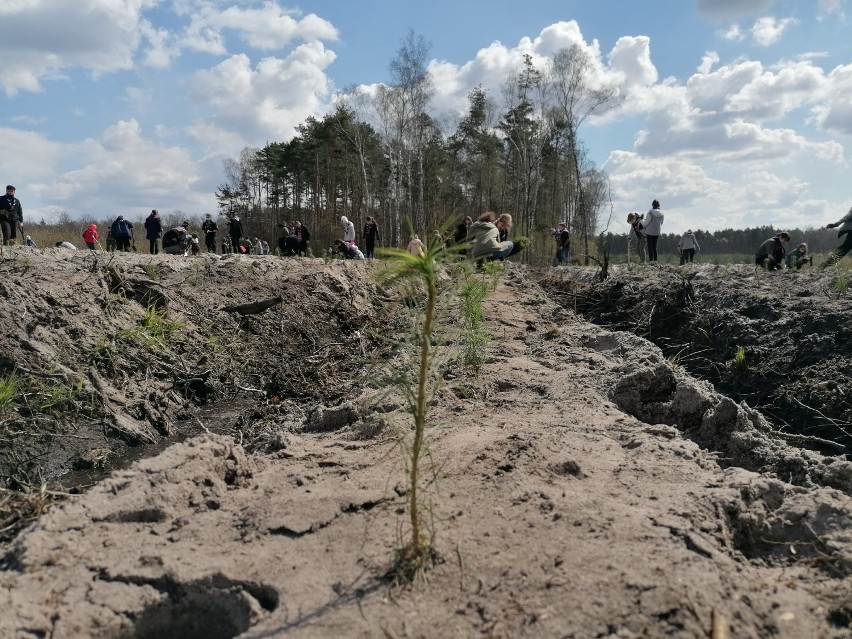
(176, 241)
(122, 233)
(90, 236)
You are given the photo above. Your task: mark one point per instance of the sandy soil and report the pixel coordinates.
(585, 485)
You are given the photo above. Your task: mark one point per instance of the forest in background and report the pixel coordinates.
(381, 153)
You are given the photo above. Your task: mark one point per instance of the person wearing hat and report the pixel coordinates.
(11, 215)
(153, 231)
(122, 232)
(563, 244)
(209, 227)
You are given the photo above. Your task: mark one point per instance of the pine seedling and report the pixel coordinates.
(418, 270)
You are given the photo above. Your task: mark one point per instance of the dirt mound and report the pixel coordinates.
(581, 485)
(781, 342)
(118, 350)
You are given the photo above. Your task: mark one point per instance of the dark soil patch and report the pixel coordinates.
(781, 342)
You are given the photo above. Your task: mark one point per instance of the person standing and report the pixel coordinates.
(304, 235)
(153, 231)
(235, 230)
(371, 234)
(11, 215)
(348, 230)
(845, 224)
(122, 233)
(636, 235)
(687, 247)
(90, 236)
(652, 226)
(210, 228)
(563, 244)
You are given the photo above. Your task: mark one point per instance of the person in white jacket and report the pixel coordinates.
(652, 226)
(348, 230)
(687, 247)
(845, 224)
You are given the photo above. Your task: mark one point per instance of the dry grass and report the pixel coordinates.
(19, 508)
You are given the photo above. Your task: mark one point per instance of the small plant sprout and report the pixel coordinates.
(403, 267)
(739, 362)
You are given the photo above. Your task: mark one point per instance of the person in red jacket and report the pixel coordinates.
(90, 236)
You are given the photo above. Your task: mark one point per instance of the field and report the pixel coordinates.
(211, 447)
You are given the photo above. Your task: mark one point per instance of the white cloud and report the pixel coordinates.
(834, 111)
(43, 38)
(768, 30)
(253, 105)
(733, 33)
(630, 62)
(121, 168)
(33, 158)
(268, 27)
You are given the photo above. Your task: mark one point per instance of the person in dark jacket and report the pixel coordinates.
(845, 224)
(799, 257)
(210, 228)
(153, 231)
(11, 215)
(772, 253)
(371, 234)
(301, 231)
(460, 234)
(177, 241)
(563, 244)
(122, 233)
(349, 251)
(235, 231)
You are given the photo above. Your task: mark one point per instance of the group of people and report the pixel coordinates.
(488, 238)
(645, 230)
(347, 246)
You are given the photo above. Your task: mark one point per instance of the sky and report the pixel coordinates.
(732, 113)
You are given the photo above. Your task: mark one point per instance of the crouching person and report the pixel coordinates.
(349, 251)
(484, 237)
(798, 258)
(772, 253)
(176, 241)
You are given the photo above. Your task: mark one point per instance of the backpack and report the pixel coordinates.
(120, 229)
(171, 238)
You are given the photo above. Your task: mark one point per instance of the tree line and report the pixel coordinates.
(384, 153)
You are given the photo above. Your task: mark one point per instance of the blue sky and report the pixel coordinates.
(734, 113)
